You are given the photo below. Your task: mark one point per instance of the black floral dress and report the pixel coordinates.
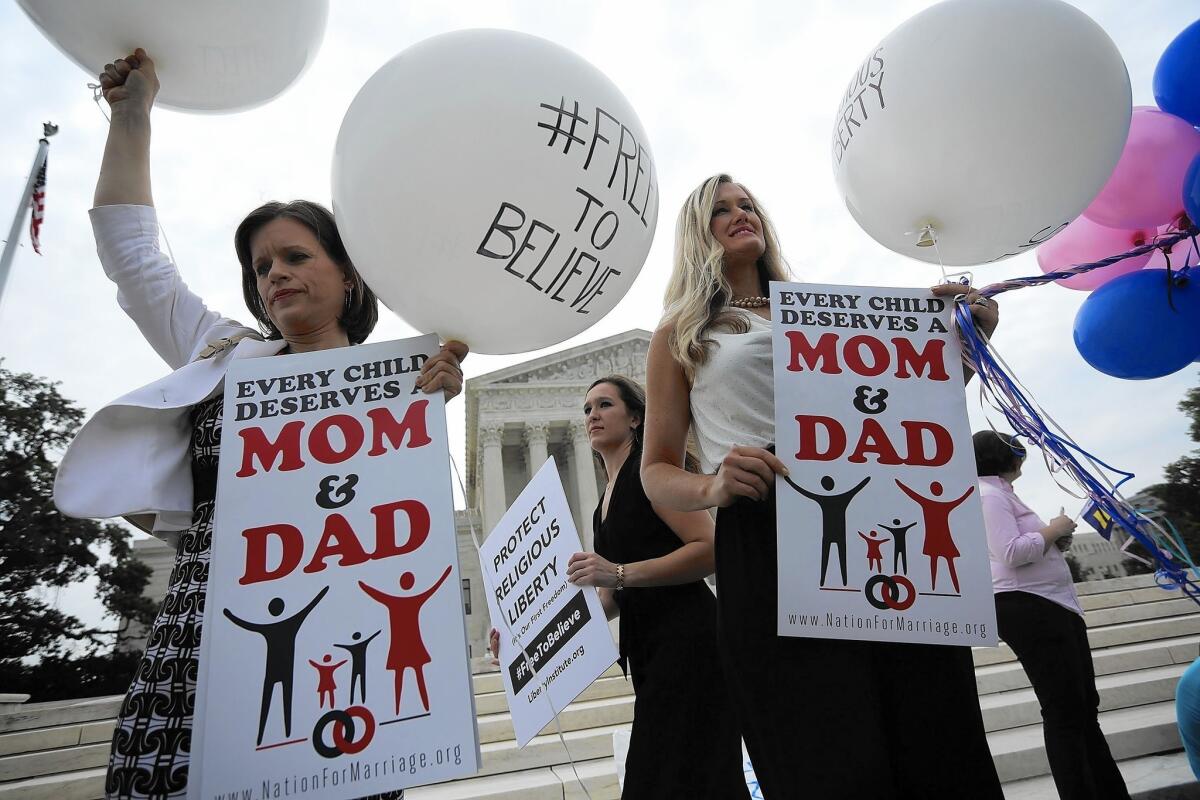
(151, 746)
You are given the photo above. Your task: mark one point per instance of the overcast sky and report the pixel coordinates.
(747, 88)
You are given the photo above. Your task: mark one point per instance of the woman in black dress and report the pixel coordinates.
(649, 567)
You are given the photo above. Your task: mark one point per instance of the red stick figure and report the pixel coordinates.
(406, 648)
(874, 553)
(938, 541)
(325, 683)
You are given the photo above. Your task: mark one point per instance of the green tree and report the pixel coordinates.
(1180, 493)
(41, 550)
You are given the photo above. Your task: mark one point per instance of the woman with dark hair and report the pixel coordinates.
(649, 567)
(821, 717)
(1039, 617)
(151, 456)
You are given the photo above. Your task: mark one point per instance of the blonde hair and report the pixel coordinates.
(698, 291)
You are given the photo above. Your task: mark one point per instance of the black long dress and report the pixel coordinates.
(840, 718)
(684, 742)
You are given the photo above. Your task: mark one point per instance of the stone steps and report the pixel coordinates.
(1142, 639)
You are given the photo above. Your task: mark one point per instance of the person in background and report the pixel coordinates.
(649, 567)
(1187, 714)
(1039, 617)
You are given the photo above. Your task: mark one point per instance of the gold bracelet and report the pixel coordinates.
(620, 577)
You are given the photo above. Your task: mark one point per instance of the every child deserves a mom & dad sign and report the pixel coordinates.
(334, 657)
(880, 528)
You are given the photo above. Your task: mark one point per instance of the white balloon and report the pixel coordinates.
(995, 122)
(496, 188)
(211, 55)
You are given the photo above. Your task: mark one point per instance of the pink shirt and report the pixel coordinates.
(1020, 560)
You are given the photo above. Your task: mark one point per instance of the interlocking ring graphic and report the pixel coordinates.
(344, 742)
(888, 595)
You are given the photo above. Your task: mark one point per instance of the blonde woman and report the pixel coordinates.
(820, 717)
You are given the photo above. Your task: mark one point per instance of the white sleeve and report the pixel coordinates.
(174, 320)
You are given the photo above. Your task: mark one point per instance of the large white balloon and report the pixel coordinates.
(995, 122)
(211, 55)
(496, 188)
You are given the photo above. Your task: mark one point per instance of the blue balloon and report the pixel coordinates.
(1191, 191)
(1128, 329)
(1177, 76)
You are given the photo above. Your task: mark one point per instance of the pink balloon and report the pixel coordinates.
(1146, 188)
(1181, 252)
(1083, 242)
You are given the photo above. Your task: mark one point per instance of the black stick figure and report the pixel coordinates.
(358, 662)
(899, 551)
(833, 519)
(280, 636)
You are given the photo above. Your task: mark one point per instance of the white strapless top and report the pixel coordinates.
(733, 394)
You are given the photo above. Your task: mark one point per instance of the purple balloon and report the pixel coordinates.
(1146, 188)
(1083, 242)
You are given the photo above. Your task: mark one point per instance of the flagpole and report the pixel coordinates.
(14, 232)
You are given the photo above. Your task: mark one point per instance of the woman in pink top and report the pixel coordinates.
(1039, 617)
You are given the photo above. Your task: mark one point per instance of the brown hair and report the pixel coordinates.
(633, 395)
(359, 317)
(996, 453)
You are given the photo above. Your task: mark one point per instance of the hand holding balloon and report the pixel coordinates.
(130, 83)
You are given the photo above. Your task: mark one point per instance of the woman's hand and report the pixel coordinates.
(744, 472)
(130, 83)
(443, 371)
(1059, 529)
(494, 644)
(589, 569)
(984, 310)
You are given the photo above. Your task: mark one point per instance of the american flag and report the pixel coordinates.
(38, 202)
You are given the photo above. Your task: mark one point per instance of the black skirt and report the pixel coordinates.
(835, 718)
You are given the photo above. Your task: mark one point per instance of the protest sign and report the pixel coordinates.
(554, 636)
(880, 528)
(334, 656)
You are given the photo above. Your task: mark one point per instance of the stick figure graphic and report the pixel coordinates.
(280, 637)
(899, 548)
(358, 663)
(833, 519)
(406, 648)
(874, 551)
(325, 683)
(938, 541)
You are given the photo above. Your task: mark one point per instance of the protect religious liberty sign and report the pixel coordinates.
(554, 636)
(880, 527)
(334, 656)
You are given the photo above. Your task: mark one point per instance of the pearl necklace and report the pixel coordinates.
(750, 302)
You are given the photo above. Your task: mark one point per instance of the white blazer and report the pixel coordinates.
(133, 457)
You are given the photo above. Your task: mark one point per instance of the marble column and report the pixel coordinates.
(536, 435)
(585, 480)
(495, 503)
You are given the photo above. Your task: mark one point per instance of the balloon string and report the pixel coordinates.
(1163, 243)
(1063, 455)
(512, 636)
(97, 96)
